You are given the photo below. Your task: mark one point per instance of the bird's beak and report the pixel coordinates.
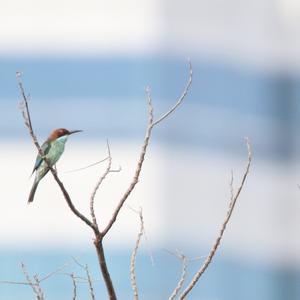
(74, 131)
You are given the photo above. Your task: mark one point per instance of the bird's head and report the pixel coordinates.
(60, 132)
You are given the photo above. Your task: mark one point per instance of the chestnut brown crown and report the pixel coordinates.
(57, 133)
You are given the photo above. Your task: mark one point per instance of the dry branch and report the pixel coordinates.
(86, 167)
(133, 257)
(181, 98)
(38, 288)
(92, 199)
(92, 294)
(74, 287)
(150, 126)
(35, 286)
(57, 271)
(46, 277)
(35, 282)
(89, 279)
(184, 262)
(233, 200)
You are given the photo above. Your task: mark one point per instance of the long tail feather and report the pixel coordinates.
(32, 192)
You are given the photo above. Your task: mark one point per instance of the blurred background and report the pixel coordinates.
(85, 65)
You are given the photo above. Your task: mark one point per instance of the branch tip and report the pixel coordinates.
(215, 246)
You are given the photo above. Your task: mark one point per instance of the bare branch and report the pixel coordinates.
(89, 279)
(223, 226)
(90, 283)
(14, 282)
(180, 283)
(138, 168)
(92, 199)
(34, 286)
(58, 271)
(54, 272)
(78, 263)
(27, 119)
(133, 256)
(34, 282)
(181, 98)
(231, 186)
(19, 79)
(86, 167)
(38, 287)
(141, 159)
(26, 274)
(26, 114)
(150, 254)
(74, 287)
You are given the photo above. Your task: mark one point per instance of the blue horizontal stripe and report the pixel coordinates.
(126, 77)
(105, 96)
(225, 279)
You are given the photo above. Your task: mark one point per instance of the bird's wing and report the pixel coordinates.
(45, 147)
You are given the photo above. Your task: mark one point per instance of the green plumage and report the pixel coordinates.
(52, 151)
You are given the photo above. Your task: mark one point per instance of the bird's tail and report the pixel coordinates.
(32, 192)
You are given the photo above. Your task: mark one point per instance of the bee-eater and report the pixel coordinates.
(52, 148)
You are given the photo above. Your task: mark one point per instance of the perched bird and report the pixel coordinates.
(52, 148)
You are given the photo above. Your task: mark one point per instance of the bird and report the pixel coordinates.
(52, 149)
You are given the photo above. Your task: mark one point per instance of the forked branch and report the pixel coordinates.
(89, 279)
(184, 263)
(92, 199)
(151, 124)
(35, 285)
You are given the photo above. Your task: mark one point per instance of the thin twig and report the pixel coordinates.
(58, 271)
(92, 199)
(89, 279)
(78, 263)
(133, 257)
(223, 226)
(150, 254)
(19, 79)
(181, 98)
(86, 167)
(90, 283)
(231, 186)
(13, 282)
(74, 287)
(79, 279)
(54, 272)
(149, 250)
(138, 168)
(184, 262)
(150, 126)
